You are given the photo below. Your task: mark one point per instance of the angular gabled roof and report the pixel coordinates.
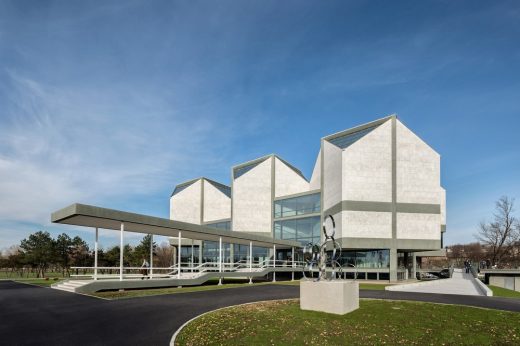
(245, 167)
(178, 188)
(221, 187)
(346, 138)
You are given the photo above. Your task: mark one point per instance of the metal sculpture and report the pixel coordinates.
(318, 259)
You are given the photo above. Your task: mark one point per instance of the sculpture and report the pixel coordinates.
(317, 257)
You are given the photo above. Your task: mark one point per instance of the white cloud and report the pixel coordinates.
(60, 145)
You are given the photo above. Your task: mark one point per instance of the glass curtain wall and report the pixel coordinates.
(305, 230)
(366, 259)
(186, 255)
(210, 251)
(295, 206)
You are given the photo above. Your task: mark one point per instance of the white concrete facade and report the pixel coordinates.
(200, 201)
(367, 167)
(252, 199)
(185, 205)
(380, 181)
(217, 205)
(287, 180)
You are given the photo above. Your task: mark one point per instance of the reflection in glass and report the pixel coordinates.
(294, 206)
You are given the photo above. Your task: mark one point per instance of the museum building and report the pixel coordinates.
(379, 181)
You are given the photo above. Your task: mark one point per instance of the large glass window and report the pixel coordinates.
(186, 254)
(240, 253)
(366, 259)
(305, 230)
(294, 206)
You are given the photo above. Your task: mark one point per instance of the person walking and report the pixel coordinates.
(144, 268)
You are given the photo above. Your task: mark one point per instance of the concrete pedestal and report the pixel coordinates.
(335, 297)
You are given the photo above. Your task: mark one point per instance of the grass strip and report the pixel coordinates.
(375, 322)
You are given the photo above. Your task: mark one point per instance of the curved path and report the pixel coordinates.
(33, 315)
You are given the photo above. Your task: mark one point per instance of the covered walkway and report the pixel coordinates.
(180, 274)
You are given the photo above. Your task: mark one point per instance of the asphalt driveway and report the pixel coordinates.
(31, 315)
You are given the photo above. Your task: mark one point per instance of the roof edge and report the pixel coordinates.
(360, 127)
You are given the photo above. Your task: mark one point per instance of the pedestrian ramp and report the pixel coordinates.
(71, 285)
(460, 283)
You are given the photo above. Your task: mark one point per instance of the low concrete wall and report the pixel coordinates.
(483, 288)
(99, 285)
(508, 282)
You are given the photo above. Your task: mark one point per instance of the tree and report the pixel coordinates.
(64, 252)
(500, 235)
(79, 252)
(164, 255)
(142, 251)
(38, 251)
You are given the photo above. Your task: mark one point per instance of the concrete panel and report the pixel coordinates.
(287, 181)
(315, 183)
(386, 243)
(366, 224)
(498, 281)
(186, 205)
(418, 226)
(367, 167)
(335, 297)
(252, 200)
(443, 206)
(331, 175)
(418, 169)
(217, 205)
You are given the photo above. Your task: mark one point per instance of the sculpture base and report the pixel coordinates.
(335, 297)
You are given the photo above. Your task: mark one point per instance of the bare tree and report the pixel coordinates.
(500, 235)
(164, 254)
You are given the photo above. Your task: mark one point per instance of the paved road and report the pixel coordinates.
(32, 315)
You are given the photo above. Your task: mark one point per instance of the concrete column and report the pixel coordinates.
(393, 265)
(121, 251)
(96, 254)
(274, 262)
(414, 266)
(151, 255)
(179, 255)
(220, 258)
(200, 252)
(293, 264)
(192, 264)
(250, 261)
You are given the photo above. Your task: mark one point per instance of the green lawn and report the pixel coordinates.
(38, 282)
(375, 322)
(210, 285)
(16, 276)
(504, 292)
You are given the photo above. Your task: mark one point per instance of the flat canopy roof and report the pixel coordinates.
(91, 216)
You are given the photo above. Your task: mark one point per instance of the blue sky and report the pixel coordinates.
(113, 103)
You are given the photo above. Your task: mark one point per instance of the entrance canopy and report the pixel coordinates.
(91, 216)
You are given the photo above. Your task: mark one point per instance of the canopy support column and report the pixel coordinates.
(151, 255)
(121, 251)
(96, 254)
(250, 261)
(192, 264)
(274, 262)
(179, 256)
(293, 264)
(220, 259)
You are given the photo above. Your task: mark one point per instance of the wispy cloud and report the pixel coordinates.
(60, 145)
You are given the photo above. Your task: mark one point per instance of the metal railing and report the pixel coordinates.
(185, 267)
